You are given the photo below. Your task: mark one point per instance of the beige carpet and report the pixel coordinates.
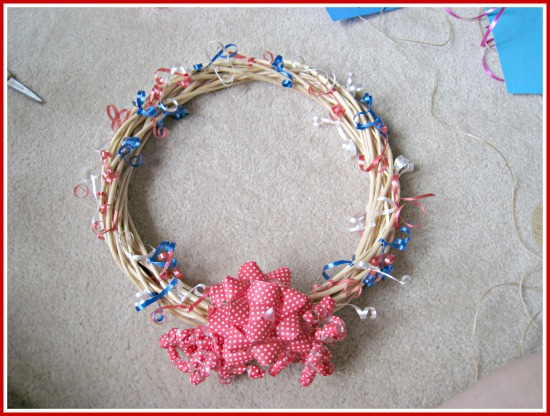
(246, 176)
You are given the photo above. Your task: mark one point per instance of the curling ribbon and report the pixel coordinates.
(157, 297)
(349, 285)
(402, 165)
(98, 227)
(491, 27)
(128, 146)
(155, 95)
(336, 264)
(253, 319)
(108, 175)
(381, 160)
(398, 243)
(353, 89)
(159, 312)
(140, 100)
(116, 119)
(348, 146)
(387, 211)
(219, 54)
(485, 42)
(126, 247)
(364, 313)
(412, 201)
(160, 131)
(279, 66)
(161, 80)
(448, 10)
(384, 263)
(164, 257)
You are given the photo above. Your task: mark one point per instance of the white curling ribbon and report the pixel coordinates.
(225, 79)
(348, 146)
(368, 312)
(353, 89)
(405, 280)
(140, 297)
(297, 61)
(164, 105)
(358, 224)
(194, 291)
(125, 247)
(387, 211)
(402, 165)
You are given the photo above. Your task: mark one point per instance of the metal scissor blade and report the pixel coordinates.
(16, 85)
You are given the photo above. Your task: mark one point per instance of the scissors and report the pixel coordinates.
(16, 85)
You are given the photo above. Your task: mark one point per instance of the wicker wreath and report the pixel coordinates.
(255, 319)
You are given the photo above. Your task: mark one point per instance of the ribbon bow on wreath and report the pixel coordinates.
(258, 318)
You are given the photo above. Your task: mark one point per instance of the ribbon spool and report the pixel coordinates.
(172, 90)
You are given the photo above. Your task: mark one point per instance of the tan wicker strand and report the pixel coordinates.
(368, 142)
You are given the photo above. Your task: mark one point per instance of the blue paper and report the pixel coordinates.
(518, 38)
(341, 13)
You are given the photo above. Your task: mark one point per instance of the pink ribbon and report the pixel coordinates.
(412, 201)
(108, 175)
(258, 318)
(488, 12)
(116, 118)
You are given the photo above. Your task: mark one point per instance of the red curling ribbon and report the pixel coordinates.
(381, 261)
(160, 132)
(187, 79)
(156, 94)
(98, 227)
(108, 175)
(166, 270)
(337, 111)
(349, 284)
(268, 56)
(381, 161)
(116, 116)
(81, 191)
(412, 201)
(255, 322)
(250, 61)
(158, 79)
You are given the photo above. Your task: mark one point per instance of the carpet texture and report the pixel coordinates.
(246, 176)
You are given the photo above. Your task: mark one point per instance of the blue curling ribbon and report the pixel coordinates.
(128, 146)
(180, 113)
(369, 280)
(198, 67)
(140, 100)
(362, 126)
(335, 264)
(155, 298)
(167, 246)
(279, 65)
(367, 100)
(398, 243)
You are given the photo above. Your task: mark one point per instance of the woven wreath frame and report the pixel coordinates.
(350, 113)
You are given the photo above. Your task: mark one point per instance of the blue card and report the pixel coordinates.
(341, 13)
(518, 37)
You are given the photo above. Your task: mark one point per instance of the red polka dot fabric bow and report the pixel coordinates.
(258, 320)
